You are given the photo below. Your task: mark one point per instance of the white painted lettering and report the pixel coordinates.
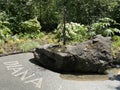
(24, 75)
(16, 70)
(12, 64)
(60, 88)
(37, 82)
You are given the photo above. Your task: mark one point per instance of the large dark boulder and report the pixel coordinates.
(92, 56)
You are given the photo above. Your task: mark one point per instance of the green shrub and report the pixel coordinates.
(74, 31)
(116, 42)
(103, 27)
(31, 26)
(116, 45)
(116, 38)
(5, 32)
(3, 16)
(107, 20)
(4, 19)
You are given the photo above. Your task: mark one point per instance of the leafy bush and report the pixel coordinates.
(116, 45)
(4, 20)
(74, 31)
(103, 26)
(5, 32)
(31, 26)
(111, 31)
(3, 16)
(116, 38)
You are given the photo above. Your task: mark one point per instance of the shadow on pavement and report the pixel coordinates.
(118, 79)
(118, 88)
(36, 62)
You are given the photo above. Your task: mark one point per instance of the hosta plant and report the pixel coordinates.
(74, 31)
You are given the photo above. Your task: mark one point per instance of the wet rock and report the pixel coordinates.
(92, 56)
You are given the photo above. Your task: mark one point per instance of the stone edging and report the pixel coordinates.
(1, 55)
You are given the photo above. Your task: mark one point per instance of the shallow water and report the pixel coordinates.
(89, 77)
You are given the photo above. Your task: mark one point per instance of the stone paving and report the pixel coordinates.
(18, 72)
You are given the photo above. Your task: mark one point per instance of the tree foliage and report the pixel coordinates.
(50, 12)
(88, 11)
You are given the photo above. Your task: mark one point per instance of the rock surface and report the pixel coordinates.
(92, 56)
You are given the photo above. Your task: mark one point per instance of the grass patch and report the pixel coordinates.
(28, 46)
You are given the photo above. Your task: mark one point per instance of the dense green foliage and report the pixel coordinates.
(22, 10)
(27, 18)
(23, 20)
(50, 12)
(116, 12)
(5, 32)
(88, 11)
(104, 27)
(31, 26)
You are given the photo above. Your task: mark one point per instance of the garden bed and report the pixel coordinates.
(23, 45)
